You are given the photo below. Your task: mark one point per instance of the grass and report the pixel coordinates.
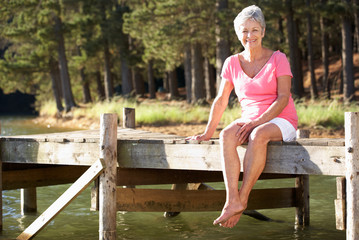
(326, 114)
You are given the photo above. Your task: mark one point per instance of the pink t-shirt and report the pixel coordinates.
(258, 93)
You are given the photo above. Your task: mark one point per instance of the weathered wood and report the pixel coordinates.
(64, 153)
(352, 177)
(340, 209)
(28, 200)
(107, 180)
(95, 196)
(39, 177)
(71, 193)
(129, 118)
(302, 216)
(158, 200)
(125, 176)
(286, 159)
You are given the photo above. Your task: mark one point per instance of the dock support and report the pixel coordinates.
(107, 180)
(352, 178)
(302, 213)
(28, 200)
(129, 118)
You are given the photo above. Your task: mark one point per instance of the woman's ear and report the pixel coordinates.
(263, 32)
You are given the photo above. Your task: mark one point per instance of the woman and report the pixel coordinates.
(262, 81)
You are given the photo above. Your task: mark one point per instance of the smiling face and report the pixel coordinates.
(251, 34)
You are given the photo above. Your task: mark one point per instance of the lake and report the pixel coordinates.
(77, 222)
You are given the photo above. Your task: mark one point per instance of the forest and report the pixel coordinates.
(80, 51)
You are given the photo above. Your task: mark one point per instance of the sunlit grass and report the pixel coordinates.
(328, 114)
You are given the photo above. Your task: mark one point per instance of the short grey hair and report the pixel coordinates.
(252, 12)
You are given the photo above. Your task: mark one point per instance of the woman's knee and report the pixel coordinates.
(259, 135)
(228, 135)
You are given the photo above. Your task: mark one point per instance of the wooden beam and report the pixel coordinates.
(129, 176)
(302, 216)
(28, 200)
(340, 208)
(71, 193)
(158, 200)
(38, 177)
(351, 175)
(282, 159)
(107, 180)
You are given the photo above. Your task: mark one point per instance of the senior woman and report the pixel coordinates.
(261, 79)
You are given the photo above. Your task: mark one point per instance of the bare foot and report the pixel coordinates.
(230, 214)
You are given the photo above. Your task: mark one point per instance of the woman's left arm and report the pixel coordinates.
(283, 90)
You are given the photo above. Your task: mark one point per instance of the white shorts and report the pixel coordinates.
(288, 131)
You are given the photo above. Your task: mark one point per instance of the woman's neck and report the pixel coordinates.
(253, 54)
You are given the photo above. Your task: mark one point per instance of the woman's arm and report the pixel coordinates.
(283, 90)
(219, 105)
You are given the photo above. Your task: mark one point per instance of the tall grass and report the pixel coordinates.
(328, 114)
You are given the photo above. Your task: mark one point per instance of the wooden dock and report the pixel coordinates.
(129, 157)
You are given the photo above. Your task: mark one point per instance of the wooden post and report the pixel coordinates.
(302, 216)
(340, 214)
(351, 175)
(107, 180)
(129, 118)
(28, 200)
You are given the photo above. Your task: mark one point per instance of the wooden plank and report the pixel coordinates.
(130, 176)
(351, 175)
(107, 180)
(340, 208)
(286, 159)
(38, 177)
(158, 200)
(71, 193)
(66, 153)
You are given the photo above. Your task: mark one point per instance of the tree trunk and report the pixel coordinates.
(222, 39)
(84, 82)
(127, 86)
(347, 56)
(138, 82)
(85, 87)
(293, 51)
(151, 80)
(356, 17)
(209, 79)
(100, 89)
(311, 67)
(187, 73)
(173, 84)
(198, 92)
(325, 55)
(55, 81)
(107, 72)
(64, 73)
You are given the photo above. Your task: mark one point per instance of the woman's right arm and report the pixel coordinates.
(219, 105)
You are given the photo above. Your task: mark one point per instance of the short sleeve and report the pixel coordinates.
(227, 70)
(282, 65)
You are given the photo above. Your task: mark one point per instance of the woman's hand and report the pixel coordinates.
(245, 129)
(201, 137)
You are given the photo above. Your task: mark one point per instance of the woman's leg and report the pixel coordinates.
(253, 165)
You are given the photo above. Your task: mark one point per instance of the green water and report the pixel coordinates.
(77, 222)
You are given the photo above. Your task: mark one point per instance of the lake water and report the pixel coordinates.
(77, 222)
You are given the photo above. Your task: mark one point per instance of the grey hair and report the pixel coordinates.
(252, 12)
